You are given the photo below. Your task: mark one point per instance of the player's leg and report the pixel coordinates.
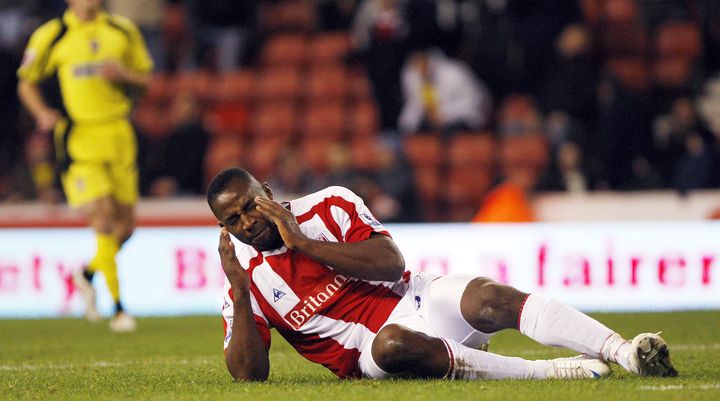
(87, 187)
(124, 176)
(398, 351)
(489, 307)
(467, 310)
(123, 227)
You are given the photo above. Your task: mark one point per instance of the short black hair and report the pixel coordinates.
(223, 180)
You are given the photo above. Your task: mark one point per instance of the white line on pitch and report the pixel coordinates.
(681, 387)
(106, 364)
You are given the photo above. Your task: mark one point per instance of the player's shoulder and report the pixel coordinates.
(124, 23)
(305, 203)
(49, 30)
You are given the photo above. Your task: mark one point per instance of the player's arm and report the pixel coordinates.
(32, 98)
(246, 356)
(116, 72)
(376, 258)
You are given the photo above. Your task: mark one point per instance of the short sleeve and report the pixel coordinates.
(36, 63)
(139, 59)
(261, 322)
(355, 220)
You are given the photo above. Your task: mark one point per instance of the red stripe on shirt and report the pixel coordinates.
(363, 303)
(328, 352)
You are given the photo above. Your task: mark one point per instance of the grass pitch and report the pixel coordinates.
(181, 359)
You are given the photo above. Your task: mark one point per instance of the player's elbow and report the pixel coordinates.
(242, 377)
(247, 370)
(396, 266)
(249, 374)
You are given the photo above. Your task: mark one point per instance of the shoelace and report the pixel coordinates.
(569, 370)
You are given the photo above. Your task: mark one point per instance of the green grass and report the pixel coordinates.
(181, 359)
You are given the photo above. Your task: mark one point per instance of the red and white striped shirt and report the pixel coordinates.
(323, 314)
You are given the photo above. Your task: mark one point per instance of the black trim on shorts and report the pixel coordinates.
(64, 160)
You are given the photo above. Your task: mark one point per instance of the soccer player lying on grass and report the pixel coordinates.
(328, 276)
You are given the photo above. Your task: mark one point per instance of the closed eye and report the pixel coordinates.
(231, 220)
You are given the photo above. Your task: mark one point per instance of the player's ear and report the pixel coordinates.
(267, 190)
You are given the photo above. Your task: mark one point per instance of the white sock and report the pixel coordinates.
(617, 349)
(553, 323)
(471, 364)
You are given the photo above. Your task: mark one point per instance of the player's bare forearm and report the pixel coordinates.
(137, 79)
(376, 258)
(116, 72)
(246, 356)
(31, 97)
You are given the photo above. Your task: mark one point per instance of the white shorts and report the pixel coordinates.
(430, 306)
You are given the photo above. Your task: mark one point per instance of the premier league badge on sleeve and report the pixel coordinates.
(369, 219)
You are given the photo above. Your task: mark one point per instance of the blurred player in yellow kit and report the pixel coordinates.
(97, 58)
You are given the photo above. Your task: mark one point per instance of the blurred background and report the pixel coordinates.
(432, 110)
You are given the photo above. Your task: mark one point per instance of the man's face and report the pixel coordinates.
(235, 210)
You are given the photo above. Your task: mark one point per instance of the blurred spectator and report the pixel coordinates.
(670, 135)
(380, 40)
(506, 203)
(12, 16)
(339, 168)
(695, 168)
(10, 136)
(222, 30)
(389, 188)
(560, 127)
(177, 37)
(148, 15)
(642, 176)
(512, 41)
(435, 23)
(336, 15)
(569, 84)
(442, 94)
(623, 137)
(709, 110)
(518, 115)
(290, 177)
(182, 152)
(34, 177)
(655, 12)
(568, 173)
(710, 16)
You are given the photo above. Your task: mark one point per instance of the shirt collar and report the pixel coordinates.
(71, 20)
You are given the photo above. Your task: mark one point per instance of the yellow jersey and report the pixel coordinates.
(74, 50)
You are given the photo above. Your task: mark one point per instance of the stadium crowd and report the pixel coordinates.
(461, 106)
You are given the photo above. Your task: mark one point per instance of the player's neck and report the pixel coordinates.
(85, 14)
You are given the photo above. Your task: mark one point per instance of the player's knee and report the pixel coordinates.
(495, 304)
(390, 348)
(124, 233)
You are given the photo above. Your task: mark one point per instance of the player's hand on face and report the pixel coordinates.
(47, 119)
(238, 277)
(283, 219)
